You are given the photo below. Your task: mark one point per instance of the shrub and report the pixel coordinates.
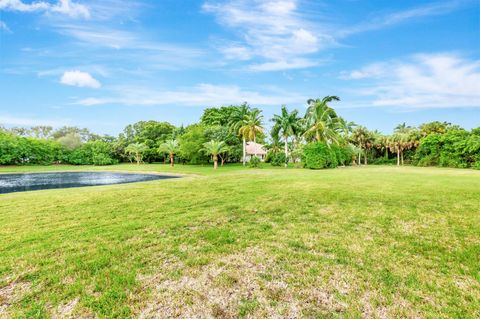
(254, 162)
(383, 161)
(278, 159)
(318, 155)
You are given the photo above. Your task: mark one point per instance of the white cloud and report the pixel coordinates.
(4, 27)
(284, 36)
(80, 79)
(200, 95)
(424, 80)
(382, 21)
(274, 31)
(65, 7)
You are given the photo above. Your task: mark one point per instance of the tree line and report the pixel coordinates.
(318, 139)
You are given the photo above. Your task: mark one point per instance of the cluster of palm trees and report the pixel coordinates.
(403, 138)
(319, 124)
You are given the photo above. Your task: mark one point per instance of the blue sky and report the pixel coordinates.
(107, 63)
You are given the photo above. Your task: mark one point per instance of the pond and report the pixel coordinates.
(34, 181)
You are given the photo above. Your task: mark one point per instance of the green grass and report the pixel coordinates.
(251, 243)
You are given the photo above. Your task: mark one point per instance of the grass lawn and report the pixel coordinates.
(367, 242)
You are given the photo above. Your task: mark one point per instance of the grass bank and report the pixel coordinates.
(352, 242)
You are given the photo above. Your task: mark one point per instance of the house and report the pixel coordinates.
(253, 149)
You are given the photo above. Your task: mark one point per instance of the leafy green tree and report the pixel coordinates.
(150, 133)
(215, 148)
(136, 150)
(171, 148)
(286, 124)
(222, 116)
(434, 127)
(191, 144)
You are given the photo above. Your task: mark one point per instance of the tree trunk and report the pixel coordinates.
(171, 160)
(286, 151)
(255, 142)
(244, 150)
(386, 153)
(359, 158)
(215, 162)
(365, 160)
(138, 159)
(398, 156)
(402, 156)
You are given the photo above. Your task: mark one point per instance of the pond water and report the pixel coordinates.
(26, 182)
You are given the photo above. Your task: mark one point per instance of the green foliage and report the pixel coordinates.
(16, 150)
(319, 155)
(92, 153)
(191, 144)
(277, 159)
(219, 116)
(150, 133)
(136, 150)
(254, 162)
(455, 148)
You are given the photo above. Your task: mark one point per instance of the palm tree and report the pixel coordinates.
(136, 150)
(402, 128)
(237, 122)
(363, 139)
(215, 148)
(286, 125)
(404, 138)
(322, 122)
(170, 147)
(380, 142)
(251, 126)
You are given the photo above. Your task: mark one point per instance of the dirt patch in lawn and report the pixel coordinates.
(247, 284)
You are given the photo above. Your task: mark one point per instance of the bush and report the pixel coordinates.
(383, 161)
(318, 155)
(278, 159)
(254, 162)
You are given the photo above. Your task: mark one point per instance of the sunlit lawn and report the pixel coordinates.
(382, 242)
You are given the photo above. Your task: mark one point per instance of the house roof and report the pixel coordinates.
(255, 148)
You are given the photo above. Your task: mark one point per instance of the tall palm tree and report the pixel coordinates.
(215, 148)
(396, 144)
(170, 147)
(286, 125)
(236, 123)
(136, 150)
(322, 122)
(252, 125)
